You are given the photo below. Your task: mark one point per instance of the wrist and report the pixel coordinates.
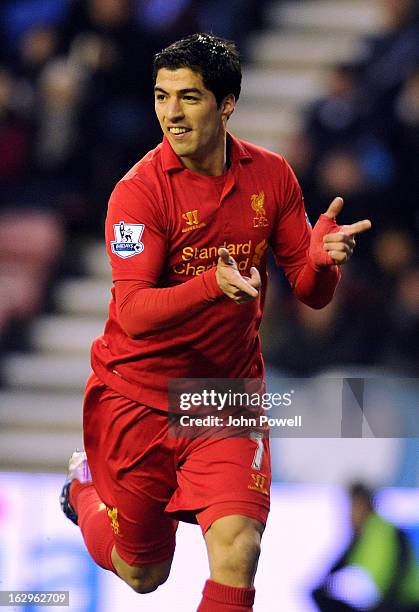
(210, 282)
(317, 256)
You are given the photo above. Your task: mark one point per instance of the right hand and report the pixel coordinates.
(238, 288)
(331, 243)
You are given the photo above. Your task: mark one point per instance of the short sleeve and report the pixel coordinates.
(135, 233)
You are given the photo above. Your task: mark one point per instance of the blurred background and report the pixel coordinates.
(331, 85)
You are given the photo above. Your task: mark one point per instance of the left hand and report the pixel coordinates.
(240, 289)
(332, 243)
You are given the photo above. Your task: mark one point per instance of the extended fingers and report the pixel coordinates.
(334, 208)
(340, 245)
(357, 228)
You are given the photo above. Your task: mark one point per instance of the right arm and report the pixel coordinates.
(142, 306)
(143, 309)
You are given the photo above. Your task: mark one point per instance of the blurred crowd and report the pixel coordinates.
(361, 141)
(75, 93)
(76, 111)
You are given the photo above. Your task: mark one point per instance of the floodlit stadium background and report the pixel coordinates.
(334, 86)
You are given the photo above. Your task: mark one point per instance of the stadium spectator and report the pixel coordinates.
(36, 47)
(401, 348)
(15, 141)
(235, 24)
(404, 140)
(391, 56)
(336, 120)
(19, 16)
(383, 552)
(347, 152)
(166, 21)
(346, 332)
(106, 41)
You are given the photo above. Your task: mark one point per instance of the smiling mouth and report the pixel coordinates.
(178, 131)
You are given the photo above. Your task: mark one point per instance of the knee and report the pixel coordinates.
(147, 579)
(144, 579)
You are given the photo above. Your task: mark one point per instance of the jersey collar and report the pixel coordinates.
(171, 161)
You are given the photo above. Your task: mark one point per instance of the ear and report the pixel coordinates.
(227, 107)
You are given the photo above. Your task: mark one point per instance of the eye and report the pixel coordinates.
(160, 97)
(190, 98)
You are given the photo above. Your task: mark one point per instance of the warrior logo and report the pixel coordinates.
(258, 484)
(192, 221)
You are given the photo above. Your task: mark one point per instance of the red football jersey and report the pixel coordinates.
(163, 230)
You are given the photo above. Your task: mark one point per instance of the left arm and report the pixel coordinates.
(309, 257)
(331, 246)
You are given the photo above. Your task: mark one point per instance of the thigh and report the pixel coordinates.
(223, 477)
(133, 472)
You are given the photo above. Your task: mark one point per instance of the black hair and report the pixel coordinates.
(215, 59)
(361, 491)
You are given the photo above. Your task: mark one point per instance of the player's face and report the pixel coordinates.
(190, 119)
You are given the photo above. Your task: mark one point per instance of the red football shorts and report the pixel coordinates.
(149, 480)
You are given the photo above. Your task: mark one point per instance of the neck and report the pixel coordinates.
(214, 164)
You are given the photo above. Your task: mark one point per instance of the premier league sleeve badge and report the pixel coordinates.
(127, 241)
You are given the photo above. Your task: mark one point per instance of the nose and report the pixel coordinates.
(174, 109)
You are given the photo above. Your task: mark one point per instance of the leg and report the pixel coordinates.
(229, 491)
(233, 544)
(93, 519)
(143, 579)
(121, 510)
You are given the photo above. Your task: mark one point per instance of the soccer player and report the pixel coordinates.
(187, 301)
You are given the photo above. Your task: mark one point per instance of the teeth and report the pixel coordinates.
(176, 130)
